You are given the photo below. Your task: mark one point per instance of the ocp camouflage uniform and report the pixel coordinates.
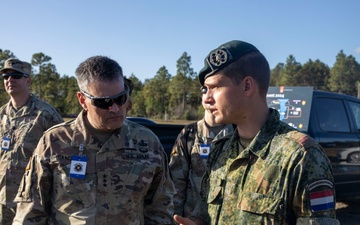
(23, 129)
(187, 167)
(126, 181)
(272, 181)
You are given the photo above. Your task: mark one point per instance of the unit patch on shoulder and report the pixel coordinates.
(321, 195)
(322, 200)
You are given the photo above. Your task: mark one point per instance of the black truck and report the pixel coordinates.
(332, 119)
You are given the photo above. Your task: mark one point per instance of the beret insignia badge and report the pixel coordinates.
(218, 57)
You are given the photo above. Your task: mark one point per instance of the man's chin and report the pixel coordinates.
(219, 120)
(115, 123)
(111, 128)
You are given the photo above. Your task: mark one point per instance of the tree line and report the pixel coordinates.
(167, 96)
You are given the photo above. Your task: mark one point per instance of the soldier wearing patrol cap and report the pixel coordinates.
(267, 172)
(99, 168)
(23, 120)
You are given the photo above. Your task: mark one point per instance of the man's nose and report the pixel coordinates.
(114, 107)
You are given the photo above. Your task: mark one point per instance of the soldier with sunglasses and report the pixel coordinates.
(23, 120)
(98, 168)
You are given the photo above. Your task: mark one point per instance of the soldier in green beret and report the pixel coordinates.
(267, 172)
(23, 120)
(98, 168)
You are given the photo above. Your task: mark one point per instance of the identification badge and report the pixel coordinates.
(78, 166)
(204, 150)
(5, 144)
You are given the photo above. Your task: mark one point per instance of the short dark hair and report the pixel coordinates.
(253, 64)
(130, 85)
(98, 68)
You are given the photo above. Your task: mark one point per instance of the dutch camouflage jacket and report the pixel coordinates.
(282, 177)
(187, 167)
(126, 180)
(22, 129)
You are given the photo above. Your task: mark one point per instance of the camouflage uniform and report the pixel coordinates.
(187, 167)
(271, 181)
(23, 129)
(126, 181)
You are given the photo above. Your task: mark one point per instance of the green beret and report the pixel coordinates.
(224, 55)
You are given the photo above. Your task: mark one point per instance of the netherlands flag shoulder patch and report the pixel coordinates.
(324, 199)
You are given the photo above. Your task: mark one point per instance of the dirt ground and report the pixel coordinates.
(348, 213)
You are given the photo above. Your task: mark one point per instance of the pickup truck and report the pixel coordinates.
(332, 119)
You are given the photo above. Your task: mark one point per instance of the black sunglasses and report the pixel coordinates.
(107, 101)
(14, 75)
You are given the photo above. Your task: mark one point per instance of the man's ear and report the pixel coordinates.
(129, 107)
(249, 85)
(82, 99)
(28, 81)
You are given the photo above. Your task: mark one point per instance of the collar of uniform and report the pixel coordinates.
(80, 132)
(82, 136)
(227, 130)
(205, 131)
(202, 130)
(26, 109)
(261, 142)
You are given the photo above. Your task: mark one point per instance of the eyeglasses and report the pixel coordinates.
(14, 75)
(107, 101)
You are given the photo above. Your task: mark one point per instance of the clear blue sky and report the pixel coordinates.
(144, 35)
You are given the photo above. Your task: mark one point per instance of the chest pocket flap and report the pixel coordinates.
(215, 191)
(259, 203)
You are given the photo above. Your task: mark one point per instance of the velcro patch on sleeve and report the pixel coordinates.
(322, 200)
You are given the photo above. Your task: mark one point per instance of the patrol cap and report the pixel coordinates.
(17, 65)
(224, 55)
